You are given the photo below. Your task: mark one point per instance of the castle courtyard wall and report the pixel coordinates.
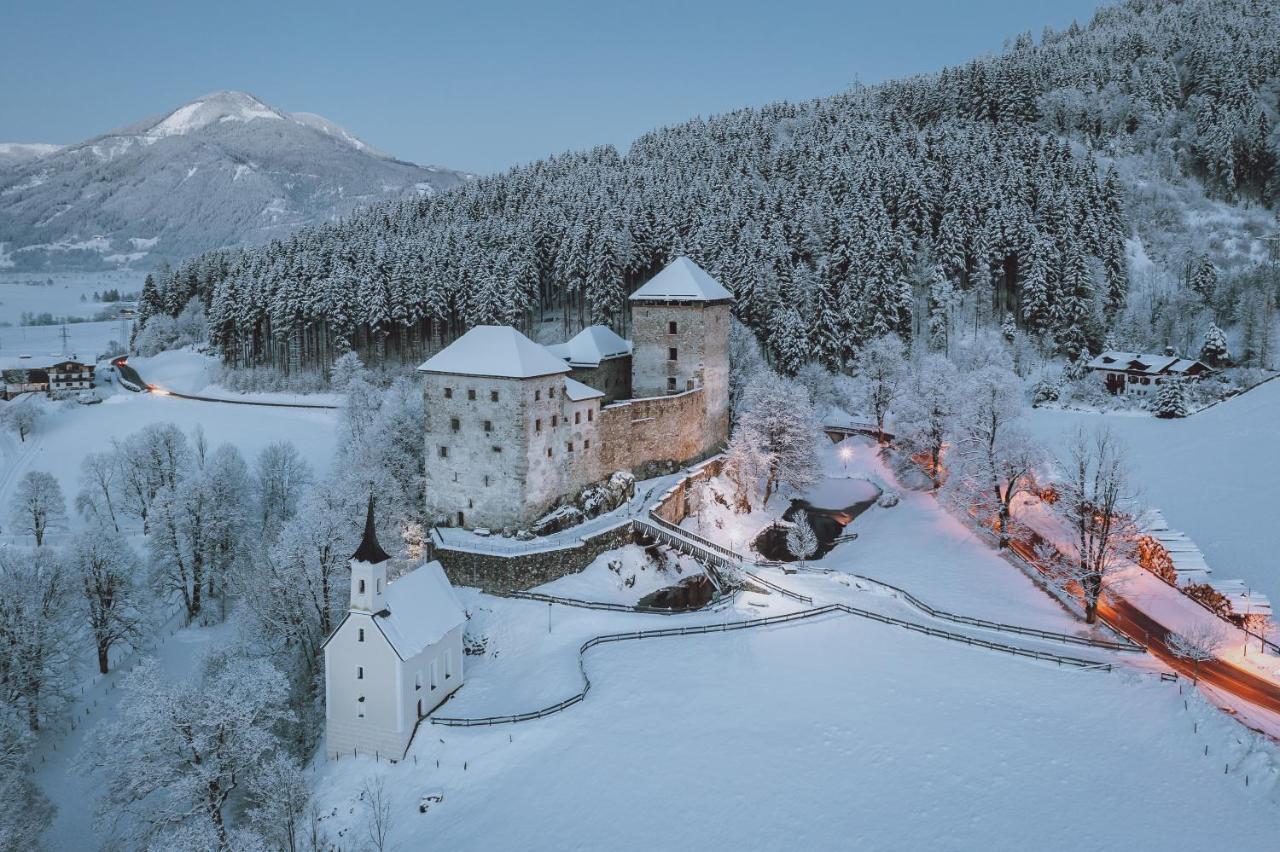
(656, 429)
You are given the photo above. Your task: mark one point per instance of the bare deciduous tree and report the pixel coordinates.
(881, 365)
(105, 566)
(37, 505)
(1095, 499)
(995, 459)
(1198, 643)
(377, 805)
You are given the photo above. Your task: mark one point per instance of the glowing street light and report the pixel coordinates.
(845, 455)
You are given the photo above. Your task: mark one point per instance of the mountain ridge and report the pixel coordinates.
(223, 170)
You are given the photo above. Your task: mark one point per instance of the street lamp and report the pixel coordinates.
(845, 455)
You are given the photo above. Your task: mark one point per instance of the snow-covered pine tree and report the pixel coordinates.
(1214, 351)
(1171, 399)
(1008, 328)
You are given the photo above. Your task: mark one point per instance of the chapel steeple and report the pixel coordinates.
(369, 570)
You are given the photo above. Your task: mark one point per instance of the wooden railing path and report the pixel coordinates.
(800, 615)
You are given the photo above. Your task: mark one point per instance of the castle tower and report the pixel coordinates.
(680, 328)
(369, 571)
(507, 432)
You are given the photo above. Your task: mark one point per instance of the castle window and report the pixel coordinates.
(591, 414)
(455, 424)
(448, 393)
(671, 353)
(537, 395)
(488, 425)
(493, 396)
(361, 587)
(486, 479)
(444, 452)
(555, 421)
(688, 384)
(360, 634)
(497, 449)
(551, 393)
(360, 707)
(359, 672)
(471, 393)
(548, 452)
(586, 444)
(577, 417)
(671, 384)
(568, 445)
(537, 425)
(671, 327)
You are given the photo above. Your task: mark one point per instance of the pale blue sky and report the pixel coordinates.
(478, 85)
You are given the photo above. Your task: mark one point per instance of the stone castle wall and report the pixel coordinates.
(612, 377)
(657, 429)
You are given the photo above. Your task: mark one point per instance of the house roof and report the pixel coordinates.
(681, 281)
(369, 550)
(494, 350)
(577, 391)
(1138, 362)
(421, 608)
(590, 346)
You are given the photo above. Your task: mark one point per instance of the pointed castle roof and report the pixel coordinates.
(369, 550)
(682, 281)
(590, 346)
(494, 350)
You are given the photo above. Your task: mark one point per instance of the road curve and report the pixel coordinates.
(132, 376)
(1141, 627)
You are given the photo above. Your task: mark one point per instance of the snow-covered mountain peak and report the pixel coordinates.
(211, 109)
(329, 128)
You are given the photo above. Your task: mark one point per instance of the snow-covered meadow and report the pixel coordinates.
(69, 431)
(31, 292)
(834, 734)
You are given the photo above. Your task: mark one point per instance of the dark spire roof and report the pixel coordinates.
(369, 550)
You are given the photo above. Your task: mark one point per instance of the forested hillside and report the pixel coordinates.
(1005, 187)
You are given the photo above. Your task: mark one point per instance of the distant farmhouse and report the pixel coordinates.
(513, 427)
(25, 374)
(1133, 372)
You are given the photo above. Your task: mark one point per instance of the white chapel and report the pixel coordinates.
(394, 657)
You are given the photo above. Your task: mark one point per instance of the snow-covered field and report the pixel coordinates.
(30, 292)
(85, 340)
(69, 431)
(882, 739)
(1213, 475)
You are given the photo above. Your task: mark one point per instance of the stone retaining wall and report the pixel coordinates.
(497, 573)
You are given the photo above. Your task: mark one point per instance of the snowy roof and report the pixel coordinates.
(494, 350)
(684, 281)
(421, 608)
(1140, 362)
(590, 346)
(577, 391)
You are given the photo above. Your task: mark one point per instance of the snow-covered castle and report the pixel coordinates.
(513, 427)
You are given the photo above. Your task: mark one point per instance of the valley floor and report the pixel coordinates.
(834, 732)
